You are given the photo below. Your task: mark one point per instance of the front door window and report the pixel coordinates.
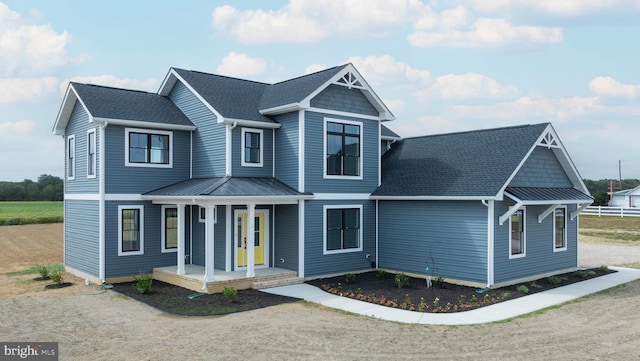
(241, 238)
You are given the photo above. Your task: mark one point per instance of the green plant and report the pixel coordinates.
(603, 268)
(142, 283)
(584, 273)
(505, 294)
(534, 285)
(438, 282)
(350, 278)
(382, 274)
(57, 276)
(522, 289)
(402, 280)
(474, 298)
(230, 293)
(43, 270)
(556, 280)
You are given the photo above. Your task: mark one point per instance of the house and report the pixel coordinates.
(216, 180)
(626, 198)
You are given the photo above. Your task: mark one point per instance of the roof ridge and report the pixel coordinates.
(112, 87)
(222, 76)
(476, 131)
(310, 74)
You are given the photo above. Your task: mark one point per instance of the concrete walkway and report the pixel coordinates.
(496, 312)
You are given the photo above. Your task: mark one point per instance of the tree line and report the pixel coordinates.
(600, 189)
(47, 188)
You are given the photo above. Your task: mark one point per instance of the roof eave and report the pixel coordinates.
(281, 109)
(433, 198)
(248, 199)
(251, 123)
(143, 124)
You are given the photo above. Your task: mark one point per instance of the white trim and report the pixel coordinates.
(513, 209)
(163, 219)
(148, 132)
(266, 237)
(141, 221)
(281, 109)
(71, 165)
(101, 205)
(251, 123)
(379, 161)
(95, 156)
(324, 149)
(167, 85)
(434, 198)
(324, 228)
(273, 153)
(345, 114)
(228, 139)
(490, 243)
(546, 212)
(301, 218)
(82, 196)
(301, 152)
(202, 219)
(566, 224)
(243, 132)
(341, 196)
(143, 124)
(228, 238)
(524, 232)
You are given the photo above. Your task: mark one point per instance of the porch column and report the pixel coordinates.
(208, 243)
(251, 235)
(181, 245)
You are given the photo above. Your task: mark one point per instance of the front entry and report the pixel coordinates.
(261, 239)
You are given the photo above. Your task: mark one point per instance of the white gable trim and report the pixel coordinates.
(170, 81)
(64, 114)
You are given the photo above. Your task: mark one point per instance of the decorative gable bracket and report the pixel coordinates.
(549, 140)
(350, 80)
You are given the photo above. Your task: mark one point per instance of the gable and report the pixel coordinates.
(344, 99)
(541, 169)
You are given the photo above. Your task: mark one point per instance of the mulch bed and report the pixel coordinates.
(374, 287)
(175, 300)
(55, 286)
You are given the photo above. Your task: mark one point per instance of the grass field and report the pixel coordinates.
(610, 229)
(13, 213)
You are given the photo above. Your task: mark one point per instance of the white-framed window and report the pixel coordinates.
(560, 229)
(202, 215)
(71, 157)
(342, 149)
(130, 230)
(148, 148)
(252, 147)
(91, 153)
(517, 234)
(169, 229)
(342, 228)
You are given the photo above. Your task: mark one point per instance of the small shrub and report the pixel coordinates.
(474, 298)
(350, 278)
(57, 276)
(230, 293)
(603, 268)
(556, 280)
(43, 270)
(382, 274)
(438, 282)
(402, 280)
(584, 273)
(522, 289)
(505, 294)
(142, 283)
(535, 285)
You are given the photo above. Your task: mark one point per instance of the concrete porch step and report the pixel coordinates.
(277, 282)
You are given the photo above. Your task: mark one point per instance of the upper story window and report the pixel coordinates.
(71, 157)
(517, 234)
(343, 147)
(91, 153)
(146, 148)
(560, 229)
(252, 145)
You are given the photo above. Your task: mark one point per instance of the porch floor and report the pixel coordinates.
(194, 275)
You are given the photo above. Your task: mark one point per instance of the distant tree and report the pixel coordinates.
(48, 188)
(600, 198)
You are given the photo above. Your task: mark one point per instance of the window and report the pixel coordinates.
(91, 153)
(252, 147)
(148, 149)
(71, 157)
(517, 234)
(169, 229)
(130, 230)
(560, 229)
(203, 215)
(342, 149)
(342, 231)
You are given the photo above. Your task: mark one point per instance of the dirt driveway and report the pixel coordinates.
(91, 324)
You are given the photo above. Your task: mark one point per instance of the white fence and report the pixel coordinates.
(612, 211)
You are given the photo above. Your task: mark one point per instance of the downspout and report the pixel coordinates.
(101, 206)
(228, 156)
(490, 240)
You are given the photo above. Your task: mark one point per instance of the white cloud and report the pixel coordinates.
(555, 7)
(610, 87)
(241, 65)
(21, 126)
(30, 48)
(314, 68)
(385, 70)
(468, 86)
(113, 81)
(13, 90)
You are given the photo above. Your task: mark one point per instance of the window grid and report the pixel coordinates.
(343, 149)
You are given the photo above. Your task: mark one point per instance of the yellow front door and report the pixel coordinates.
(242, 238)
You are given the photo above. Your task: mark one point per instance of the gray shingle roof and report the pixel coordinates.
(568, 195)
(113, 103)
(386, 132)
(469, 164)
(226, 187)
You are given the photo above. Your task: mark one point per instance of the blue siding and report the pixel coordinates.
(78, 126)
(341, 98)
(448, 237)
(220, 240)
(197, 237)
(118, 266)
(286, 236)
(209, 140)
(540, 257)
(237, 169)
(287, 152)
(318, 264)
(541, 169)
(314, 157)
(82, 239)
(220, 245)
(122, 179)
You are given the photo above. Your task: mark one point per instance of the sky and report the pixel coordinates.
(441, 66)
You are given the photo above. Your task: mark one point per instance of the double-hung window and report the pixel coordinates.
(169, 229)
(252, 147)
(148, 148)
(71, 157)
(517, 234)
(130, 230)
(560, 229)
(343, 146)
(91, 153)
(342, 229)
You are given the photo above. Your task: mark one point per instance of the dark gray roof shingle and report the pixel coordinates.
(468, 164)
(226, 187)
(386, 132)
(113, 103)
